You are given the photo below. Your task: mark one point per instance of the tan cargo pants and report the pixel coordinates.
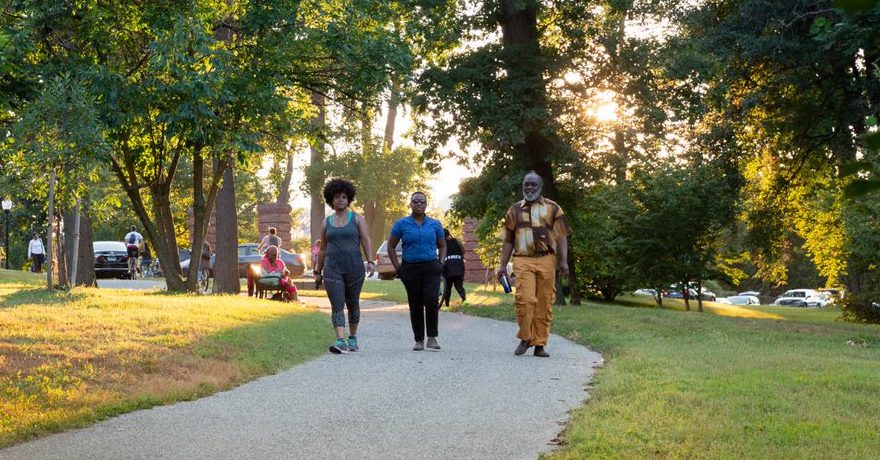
(535, 293)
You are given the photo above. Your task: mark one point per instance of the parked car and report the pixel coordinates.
(111, 259)
(675, 292)
(645, 291)
(752, 293)
(383, 263)
(835, 294)
(801, 298)
(247, 255)
(743, 300)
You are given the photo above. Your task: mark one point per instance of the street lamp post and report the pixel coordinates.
(7, 206)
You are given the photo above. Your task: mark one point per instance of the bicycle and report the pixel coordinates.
(133, 267)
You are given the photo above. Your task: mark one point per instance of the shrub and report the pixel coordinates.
(863, 307)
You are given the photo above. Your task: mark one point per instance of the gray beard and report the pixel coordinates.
(531, 196)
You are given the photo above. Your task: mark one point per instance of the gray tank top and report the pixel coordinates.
(343, 246)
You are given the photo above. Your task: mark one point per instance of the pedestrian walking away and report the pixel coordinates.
(270, 240)
(339, 265)
(424, 246)
(37, 253)
(535, 233)
(453, 269)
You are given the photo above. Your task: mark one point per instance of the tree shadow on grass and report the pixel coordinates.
(26, 294)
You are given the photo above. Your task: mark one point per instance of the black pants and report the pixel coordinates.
(422, 282)
(37, 262)
(449, 281)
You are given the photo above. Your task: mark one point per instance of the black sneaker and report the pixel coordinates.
(432, 343)
(539, 351)
(339, 347)
(522, 347)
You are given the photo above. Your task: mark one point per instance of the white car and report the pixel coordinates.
(801, 298)
(752, 293)
(743, 300)
(650, 292)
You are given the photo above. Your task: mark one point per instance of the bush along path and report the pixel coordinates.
(472, 399)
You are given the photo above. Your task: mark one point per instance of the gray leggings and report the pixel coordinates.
(344, 289)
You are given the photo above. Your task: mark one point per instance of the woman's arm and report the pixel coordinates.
(392, 251)
(322, 250)
(366, 244)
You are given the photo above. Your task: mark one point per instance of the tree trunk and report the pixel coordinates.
(284, 187)
(49, 252)
(203, 207)
(226, 260)
(524, 63)
(391, 120)
(560, 294)
(74, 251)
(316, 169)
(85, 254)
(699, 296)
(687, 297)
(165, 241)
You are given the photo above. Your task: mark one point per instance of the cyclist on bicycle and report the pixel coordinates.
(133, 242)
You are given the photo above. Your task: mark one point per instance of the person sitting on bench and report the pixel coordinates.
(272, 265)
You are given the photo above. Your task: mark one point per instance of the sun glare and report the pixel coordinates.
(603, 108)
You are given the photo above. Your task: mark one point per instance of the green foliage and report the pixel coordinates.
(863, 307)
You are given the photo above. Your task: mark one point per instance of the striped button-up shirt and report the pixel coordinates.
(533, 228)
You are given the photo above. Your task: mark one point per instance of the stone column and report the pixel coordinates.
(278, 216)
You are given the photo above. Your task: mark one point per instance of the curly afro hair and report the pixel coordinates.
(337, 185)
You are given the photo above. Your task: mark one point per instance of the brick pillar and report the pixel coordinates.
(278, 216)
(475, 271)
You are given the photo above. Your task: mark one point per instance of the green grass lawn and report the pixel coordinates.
(68, 359)
(762, 382)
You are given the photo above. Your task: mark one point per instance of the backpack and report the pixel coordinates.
(132, 239)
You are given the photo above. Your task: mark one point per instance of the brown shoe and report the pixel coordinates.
(522, 347)
(539, 351)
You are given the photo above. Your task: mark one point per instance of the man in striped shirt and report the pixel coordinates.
(535, 233)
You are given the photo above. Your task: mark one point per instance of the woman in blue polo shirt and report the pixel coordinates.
(424, 246)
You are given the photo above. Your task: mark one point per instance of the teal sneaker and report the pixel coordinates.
(339, 347)
(353, 343)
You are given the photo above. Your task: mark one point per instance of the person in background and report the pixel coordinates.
(271, 264)
(340, 266)
(133, 242)
(270, 240)
(205, 262)
(37, 253)
(424, 246)
(535, 233)
(453, 269)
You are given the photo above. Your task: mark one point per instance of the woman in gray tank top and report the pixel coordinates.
(340, 265)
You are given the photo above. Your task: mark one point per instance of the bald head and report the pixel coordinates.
(532, 184)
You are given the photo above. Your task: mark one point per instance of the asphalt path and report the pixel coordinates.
(134, 285)
(472, 399)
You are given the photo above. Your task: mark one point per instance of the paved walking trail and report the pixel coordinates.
(473, 399)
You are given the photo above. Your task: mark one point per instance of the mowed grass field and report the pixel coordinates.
(68, 359)
(737, 383)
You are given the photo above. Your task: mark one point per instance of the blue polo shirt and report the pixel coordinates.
(419, 241)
